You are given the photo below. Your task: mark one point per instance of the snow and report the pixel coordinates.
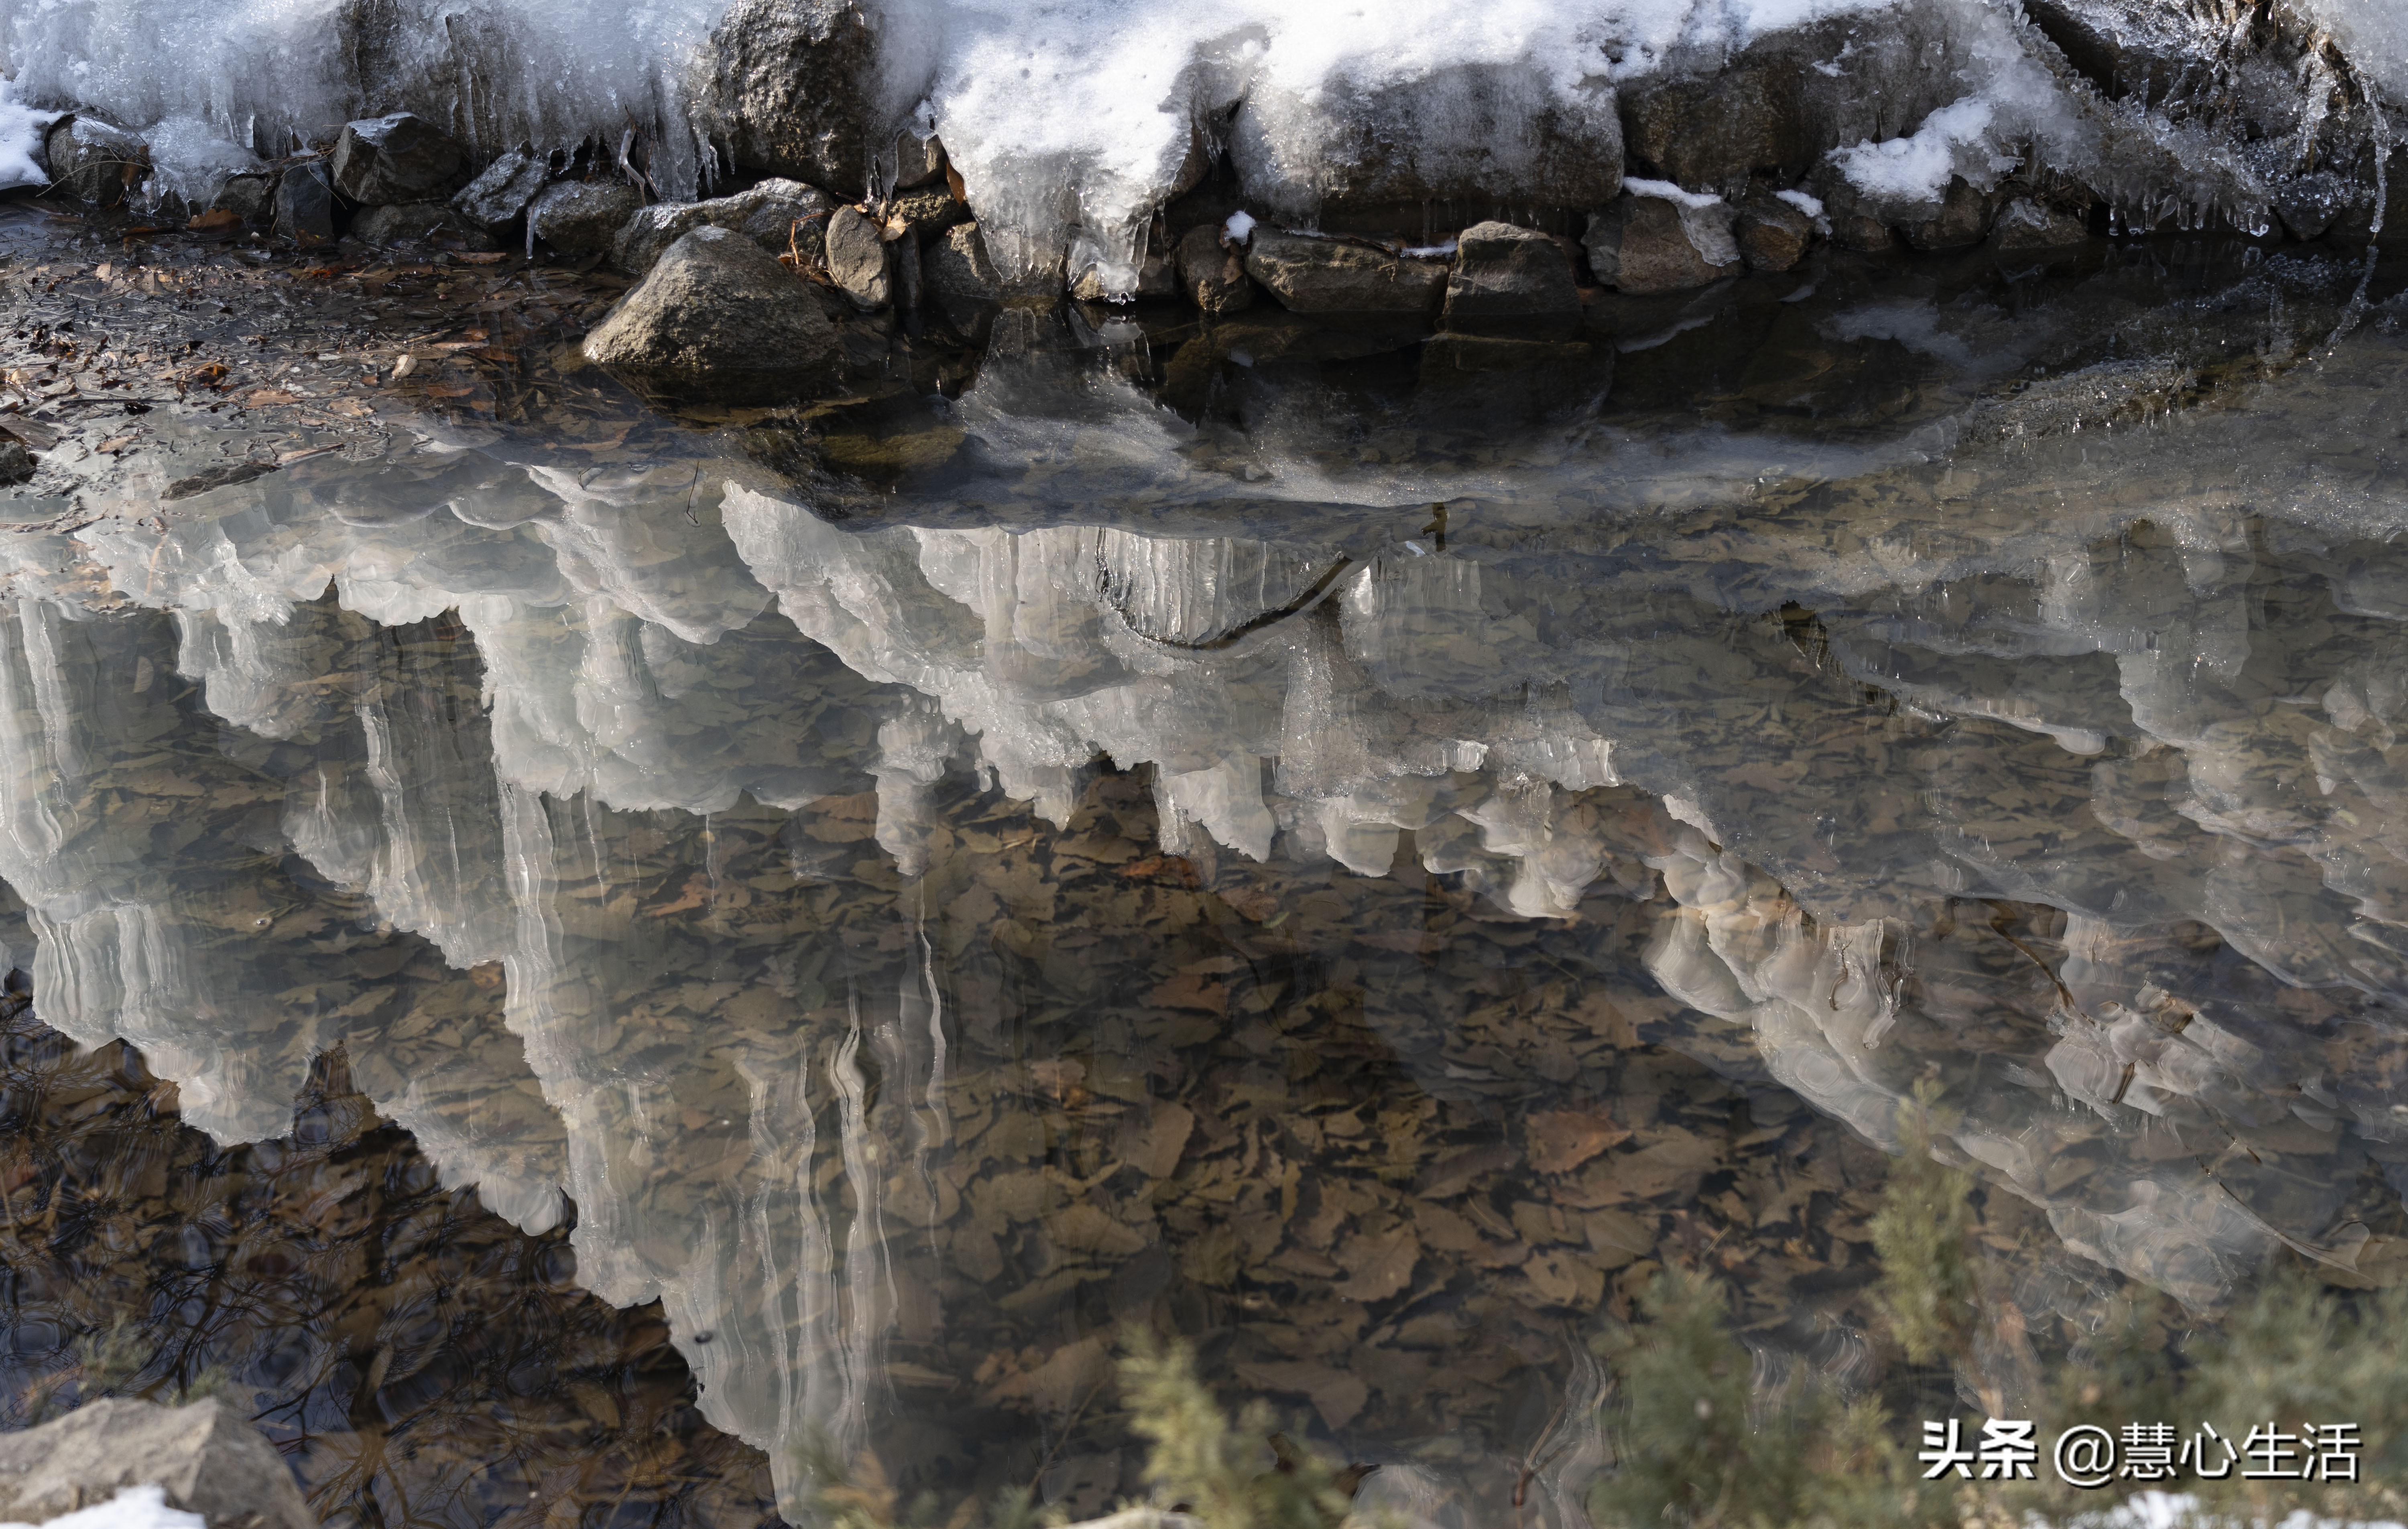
(20, 135)
(1918, 166)
(1240, 228)
(1811, 206)
(134, 1507)
(1669, 192)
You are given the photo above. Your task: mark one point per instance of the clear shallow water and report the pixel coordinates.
(1356, 848)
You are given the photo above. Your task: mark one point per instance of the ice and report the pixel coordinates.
(133, 1507)
(21, 139)
(1667, 190)
(190, 159)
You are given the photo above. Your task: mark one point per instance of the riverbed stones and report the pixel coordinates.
(1313, 275)
(304, 204)
(247, 196)
(785, 85)
(718, 317)
(1505, 272)
(16, 463)
(778, 215)
(2028, 225)
(399, 158)
(924, 213)
(503, 189)
(1214, 271)
(581, 218)
(205, 1458)
(857, 259)
(1158, 277)
(918, 161)
(1659, 238)
(94, 161)
(1772, 235)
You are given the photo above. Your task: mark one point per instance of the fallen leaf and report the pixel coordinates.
(218, 222)
(453, 391)
(266, 396)
(1089, 1229)
(1065, 1378)
(1338, 1396)
(1563, 1139)
(1379, 1265)
(1159, 1146)
(1562, 1276)
(479, 257)
(115, 444)
(1192, 990)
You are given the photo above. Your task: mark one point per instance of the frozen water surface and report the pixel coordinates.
(1353, 846)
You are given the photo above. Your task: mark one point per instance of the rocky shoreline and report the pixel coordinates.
(831, 229)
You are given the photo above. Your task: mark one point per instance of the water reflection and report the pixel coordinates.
(1202, 868)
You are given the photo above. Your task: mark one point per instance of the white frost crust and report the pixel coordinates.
(21, 139)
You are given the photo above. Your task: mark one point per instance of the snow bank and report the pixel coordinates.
(21, 138)
(135, 1507)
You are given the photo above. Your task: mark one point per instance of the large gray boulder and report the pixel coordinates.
(503, 187)
(399, 158)
(1214, 271)
(94, 162)
(1313, 274)
(581, 218)
(205, 1457)
(304, 204)
(787, 86)
(1660, 239)
(720, 319)
(1772, 234)
(1504, 272)
(855, 257)
(778, 215)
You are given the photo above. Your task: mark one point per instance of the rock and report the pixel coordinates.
(786, 85)
(400, 158)
(397, 222)
(503, 189)
(94, 161)
(1488, 134)
(16, 464)
(2028, 225)
(1310, 275)
(1214, 272)
(305, 204)
(1856, 221)
(581, 218)
(1662, 240)
(205, 1457)
(719, 318)
(857, 259)
(918, 161)
(925, 213)
(1772, 234)
(1504, 272)
(1963, 218)
(958, 280)
(777, 215)
(247, 196)
(1777, 106)
(1158, 277)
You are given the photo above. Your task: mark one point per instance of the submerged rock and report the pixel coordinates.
(399, 221)
(1158, 277)
(94, 162)
(305, 204)
(1214, 271)
(856, 256)
(777, 215)
(503, 189)
(205, 1458)
(1660, 238)
(786, 85)
(719, 318)
(1309, 275)
(16, 463)
(1963, 218)
(1504, 272)
(581, 218)
(399, 158)
(1772, 234)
